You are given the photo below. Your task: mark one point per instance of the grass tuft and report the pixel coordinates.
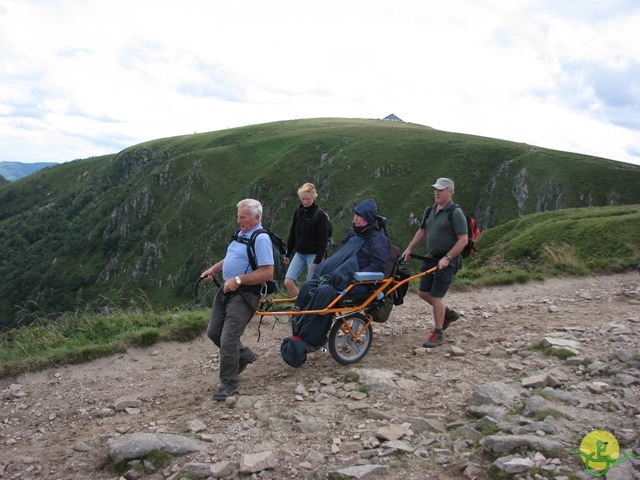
(542, 414)
(564, 258)
(559, 352)
(352, 377)
(79, 338)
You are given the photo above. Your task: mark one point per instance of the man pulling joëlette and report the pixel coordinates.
(236, 301)
(445, 241)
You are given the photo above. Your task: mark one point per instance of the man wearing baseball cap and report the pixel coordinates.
(444, 226)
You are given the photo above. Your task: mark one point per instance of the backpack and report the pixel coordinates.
(402, 273)
(279, 250)
(381, 312)
(472, 229)
(329, 224)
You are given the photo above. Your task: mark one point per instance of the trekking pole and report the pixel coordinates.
(195, 287)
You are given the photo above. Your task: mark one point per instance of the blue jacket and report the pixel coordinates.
(370, 246)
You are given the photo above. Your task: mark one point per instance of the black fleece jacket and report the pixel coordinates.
(309, 233)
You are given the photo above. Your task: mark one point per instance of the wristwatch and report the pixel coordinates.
(448, 258)
(238, 281)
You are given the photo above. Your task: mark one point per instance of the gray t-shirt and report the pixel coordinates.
(443, 229)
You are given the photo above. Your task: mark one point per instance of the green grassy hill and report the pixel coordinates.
(146, 221)
(577, 241)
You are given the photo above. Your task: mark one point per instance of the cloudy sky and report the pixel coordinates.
(80, 78)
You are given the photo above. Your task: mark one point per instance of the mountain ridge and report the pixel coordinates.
(12, 171)
(149, 219)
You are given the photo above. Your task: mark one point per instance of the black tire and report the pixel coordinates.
(343, 347)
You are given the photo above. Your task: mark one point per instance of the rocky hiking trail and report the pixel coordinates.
(490, 397)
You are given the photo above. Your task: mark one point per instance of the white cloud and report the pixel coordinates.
(81, 78)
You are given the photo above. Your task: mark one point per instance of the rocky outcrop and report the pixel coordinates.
(551, 198)
(139, 445)
(520, 189)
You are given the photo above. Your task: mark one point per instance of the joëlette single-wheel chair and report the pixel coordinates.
(351, 333)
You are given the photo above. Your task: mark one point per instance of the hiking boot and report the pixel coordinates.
(450, 316)
(225, 392)
(435, 340)
(243, 365)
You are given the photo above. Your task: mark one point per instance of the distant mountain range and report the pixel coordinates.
(14, 170)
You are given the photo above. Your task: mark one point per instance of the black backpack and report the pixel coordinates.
(329, 224)
(279, 249)
(472, 229)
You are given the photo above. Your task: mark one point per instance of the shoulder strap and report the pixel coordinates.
(251, 245)
(256, 233)
(452, 209)
(427, 212)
